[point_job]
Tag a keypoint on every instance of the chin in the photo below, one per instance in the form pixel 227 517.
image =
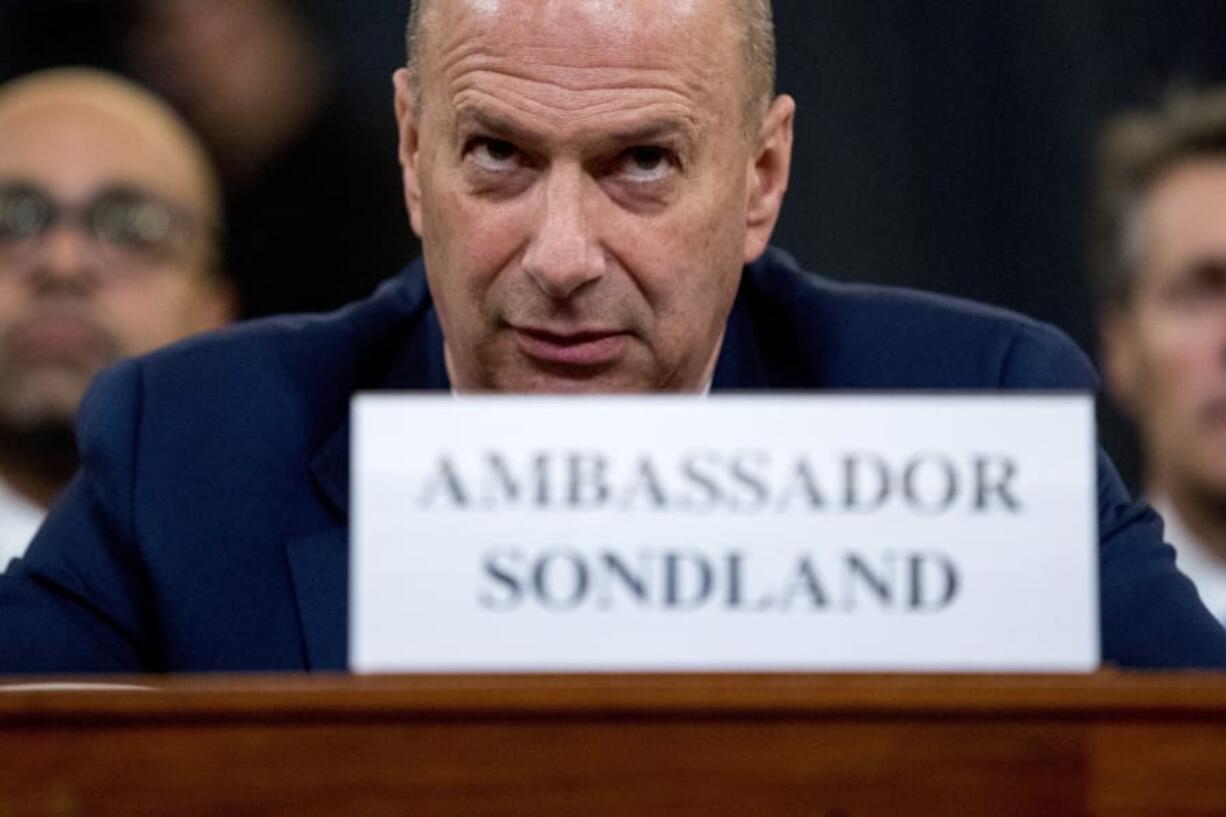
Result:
pixel 43 401
pixel 36 417
pixel 1211 482
pixel 561 381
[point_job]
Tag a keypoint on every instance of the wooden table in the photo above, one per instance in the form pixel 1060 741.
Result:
pixel 818 746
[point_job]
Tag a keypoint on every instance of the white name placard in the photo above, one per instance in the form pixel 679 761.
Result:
pixel 782 533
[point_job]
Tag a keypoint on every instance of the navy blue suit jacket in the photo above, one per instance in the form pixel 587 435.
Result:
pixel 207 530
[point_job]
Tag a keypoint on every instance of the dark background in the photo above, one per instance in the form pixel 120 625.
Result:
pixel 942 144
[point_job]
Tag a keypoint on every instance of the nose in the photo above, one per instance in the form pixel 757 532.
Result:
pixel 65 259
pixel 564 255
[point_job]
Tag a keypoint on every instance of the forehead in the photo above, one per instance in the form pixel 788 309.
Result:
pixel 561 50
pixel 608 20
pixel 73 145
pixel 1187 210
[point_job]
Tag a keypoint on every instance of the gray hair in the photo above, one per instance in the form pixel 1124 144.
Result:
pixel 1135 151
pixel 758 46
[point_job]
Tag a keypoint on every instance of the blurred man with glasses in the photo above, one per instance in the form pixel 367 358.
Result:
pixel 109 222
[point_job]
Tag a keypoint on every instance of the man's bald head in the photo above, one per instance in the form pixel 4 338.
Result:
pixel 623 166
pixel 90 95
pixel 756 23
pixel 109 247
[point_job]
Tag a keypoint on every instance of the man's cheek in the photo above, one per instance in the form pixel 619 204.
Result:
pixel 14 300
pixel 495 237
pixel 142 317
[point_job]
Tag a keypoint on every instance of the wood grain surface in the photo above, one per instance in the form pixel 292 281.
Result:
pixel 826 746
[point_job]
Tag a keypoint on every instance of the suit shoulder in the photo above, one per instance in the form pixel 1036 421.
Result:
pixel 308 349
pixel 281 378
pixel 869 336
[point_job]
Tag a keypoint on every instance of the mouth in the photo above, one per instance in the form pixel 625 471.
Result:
pixel 57 340
pixel 587 349
pixel 1213 413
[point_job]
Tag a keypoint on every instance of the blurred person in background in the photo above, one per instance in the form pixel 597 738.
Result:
pixel 315 213
pixel 109 218
pixel 1160 262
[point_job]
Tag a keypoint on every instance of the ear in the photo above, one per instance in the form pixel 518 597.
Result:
pixel 768 175
pixel 1121 357
pixel 409 145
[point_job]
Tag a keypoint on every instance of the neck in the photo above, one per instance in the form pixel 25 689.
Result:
pixel 37 464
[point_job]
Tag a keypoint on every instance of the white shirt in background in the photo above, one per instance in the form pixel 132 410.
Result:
pixel 1203 566
pixel 19 520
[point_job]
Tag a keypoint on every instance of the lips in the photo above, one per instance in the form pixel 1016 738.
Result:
pixel 58 339
pixel 1213 412
pixel 588 348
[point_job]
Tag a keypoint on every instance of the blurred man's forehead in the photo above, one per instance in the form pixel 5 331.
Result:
pixel 1184 216
pixel 78 129
pixel 74 148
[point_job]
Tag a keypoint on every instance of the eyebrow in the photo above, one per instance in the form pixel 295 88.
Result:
pixel 667 129
pixel 115 187
pixel 657 130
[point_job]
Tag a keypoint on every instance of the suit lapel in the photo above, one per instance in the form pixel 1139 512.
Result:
pixel 740 366
pixel 319 562
pixel 330 470
pixel 416 366
pixel 319 565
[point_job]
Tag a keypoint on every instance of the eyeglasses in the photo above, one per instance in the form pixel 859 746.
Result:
pixel 127 227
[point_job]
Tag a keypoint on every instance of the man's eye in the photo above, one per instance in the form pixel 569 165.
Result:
pixel 134 224
pixel 646 163
pixel 23 214
pixel 494 154
pixel 1204 283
